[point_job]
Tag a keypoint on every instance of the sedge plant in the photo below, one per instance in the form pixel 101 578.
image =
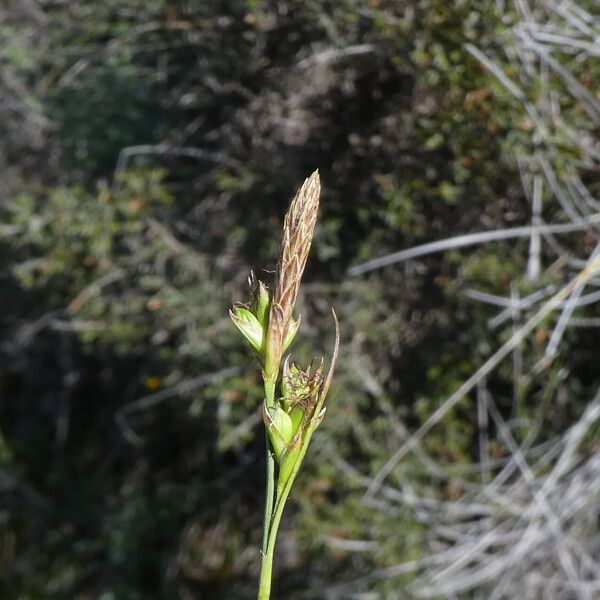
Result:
pixel 293 405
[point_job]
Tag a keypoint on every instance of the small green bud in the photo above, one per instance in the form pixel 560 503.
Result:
pixel 279 427
pixel 293 384
pixel 300 387
pixel 289 370
pixel 249 326
pixel 262 306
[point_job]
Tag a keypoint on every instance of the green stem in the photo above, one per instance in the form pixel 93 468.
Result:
pixel 269 495
pixel 267 560
pixel 266 571
pixel 264 591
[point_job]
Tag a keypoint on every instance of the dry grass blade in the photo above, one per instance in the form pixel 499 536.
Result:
pixel 472 239
pixel 524 525
pixel 480 374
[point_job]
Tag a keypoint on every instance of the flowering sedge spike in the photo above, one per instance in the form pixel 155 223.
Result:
pixel 304 394
pixel 268 324
pixel 298 231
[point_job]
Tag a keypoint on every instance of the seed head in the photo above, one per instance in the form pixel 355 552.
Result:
pixel 292 420
pixel 298 231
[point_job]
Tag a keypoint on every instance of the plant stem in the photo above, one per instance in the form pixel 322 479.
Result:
pixel 266 570
pixel 264 591
pixel 283 492
pixel 269 495
pixel 267 558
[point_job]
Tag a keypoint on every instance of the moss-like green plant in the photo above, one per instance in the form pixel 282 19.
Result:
pixel 293 406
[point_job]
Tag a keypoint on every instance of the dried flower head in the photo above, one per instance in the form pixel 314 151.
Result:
pixel 298 231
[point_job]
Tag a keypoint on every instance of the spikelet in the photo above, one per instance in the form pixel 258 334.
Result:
pixel 298 231
pixel 292 420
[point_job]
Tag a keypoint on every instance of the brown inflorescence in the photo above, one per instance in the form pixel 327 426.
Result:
pixel 298 231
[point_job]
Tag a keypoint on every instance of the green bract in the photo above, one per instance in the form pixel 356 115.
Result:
pixel 280 429
pixel 249 326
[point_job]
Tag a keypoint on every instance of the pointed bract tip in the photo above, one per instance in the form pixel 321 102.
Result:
pixel 336 347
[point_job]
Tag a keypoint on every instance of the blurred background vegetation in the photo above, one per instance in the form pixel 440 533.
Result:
pixel 148 151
